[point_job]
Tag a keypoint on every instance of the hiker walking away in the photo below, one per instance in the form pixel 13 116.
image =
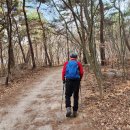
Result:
pixel 72 74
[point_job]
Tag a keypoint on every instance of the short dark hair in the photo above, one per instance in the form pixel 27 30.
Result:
pixel 73 55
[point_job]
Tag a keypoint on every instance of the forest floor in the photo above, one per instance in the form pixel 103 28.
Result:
pixel 33 102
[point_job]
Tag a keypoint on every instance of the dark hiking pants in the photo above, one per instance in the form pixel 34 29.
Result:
pixel 72 88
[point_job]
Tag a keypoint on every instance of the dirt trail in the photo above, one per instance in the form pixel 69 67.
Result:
pixel 39 108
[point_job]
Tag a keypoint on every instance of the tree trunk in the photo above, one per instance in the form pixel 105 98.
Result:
pixel 44 39
pixel 11 62
pixel 36 50
pixel 67 43
pixel 102 46
pixel 83 32
pixel 92 57
pixel 19 40
pixel 1 58
pixel 27 56
pixel 28 34
pixel 123 28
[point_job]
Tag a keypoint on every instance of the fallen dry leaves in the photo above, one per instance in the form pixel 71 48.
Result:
pixel 113 111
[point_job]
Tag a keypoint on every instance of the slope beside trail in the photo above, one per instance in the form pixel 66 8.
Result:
pixel 39 108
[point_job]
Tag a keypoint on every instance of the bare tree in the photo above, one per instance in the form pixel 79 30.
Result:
pixel 19 39
pixel 11 61
pixel 44 38
pixel 28 34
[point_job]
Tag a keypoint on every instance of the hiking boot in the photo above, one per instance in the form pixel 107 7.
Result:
pixel 68 113
pixel 74 113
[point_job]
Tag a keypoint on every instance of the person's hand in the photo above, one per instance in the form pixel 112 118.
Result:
pixel 64 81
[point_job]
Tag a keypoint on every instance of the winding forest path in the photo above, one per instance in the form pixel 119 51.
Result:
pixel 39 107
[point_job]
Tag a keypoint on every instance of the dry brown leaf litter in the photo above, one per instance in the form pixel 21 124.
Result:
pixel 113 111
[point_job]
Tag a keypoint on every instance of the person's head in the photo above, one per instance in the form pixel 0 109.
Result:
pixel 73 56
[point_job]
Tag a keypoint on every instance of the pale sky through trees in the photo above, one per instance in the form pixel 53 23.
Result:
pixel 50 12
